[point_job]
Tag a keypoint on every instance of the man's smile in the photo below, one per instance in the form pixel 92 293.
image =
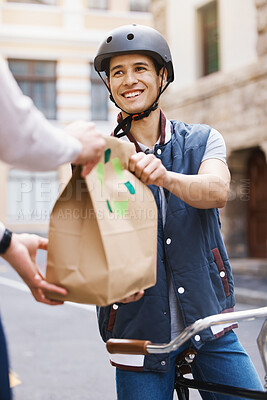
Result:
pixel 131 94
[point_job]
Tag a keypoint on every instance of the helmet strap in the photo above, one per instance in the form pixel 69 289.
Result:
pixel 126 123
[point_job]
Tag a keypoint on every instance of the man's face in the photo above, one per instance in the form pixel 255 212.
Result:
pixel 133 82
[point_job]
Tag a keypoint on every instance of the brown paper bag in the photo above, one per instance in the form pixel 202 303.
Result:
pixel 103 232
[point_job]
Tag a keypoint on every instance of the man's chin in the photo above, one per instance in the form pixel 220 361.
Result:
pixel 131 111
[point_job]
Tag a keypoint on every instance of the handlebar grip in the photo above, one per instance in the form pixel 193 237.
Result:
pixel 127 346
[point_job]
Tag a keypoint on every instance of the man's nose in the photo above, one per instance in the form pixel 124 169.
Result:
pixel 130 78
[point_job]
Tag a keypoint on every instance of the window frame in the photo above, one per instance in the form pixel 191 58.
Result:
pixel 205 30
pixel 96 81
pixel 31 195
pixel 131 6
pixel 35 2
pixel 31 78
pixel 96 5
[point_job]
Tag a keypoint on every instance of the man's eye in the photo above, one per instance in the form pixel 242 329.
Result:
pixel 140 68
pixel 117 73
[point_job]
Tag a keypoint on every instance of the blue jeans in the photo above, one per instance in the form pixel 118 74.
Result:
pixel 5 393
pixel 220 361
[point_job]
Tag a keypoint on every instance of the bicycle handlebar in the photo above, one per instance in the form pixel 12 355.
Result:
pixel 127 346
pixel 130 346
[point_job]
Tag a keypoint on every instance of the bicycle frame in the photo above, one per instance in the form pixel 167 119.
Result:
pixel 145 347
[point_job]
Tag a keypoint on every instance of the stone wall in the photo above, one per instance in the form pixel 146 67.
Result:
pixel 262 26
pixel 235 103
pixel 158 9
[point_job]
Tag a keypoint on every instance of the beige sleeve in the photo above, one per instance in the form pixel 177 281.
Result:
pixel 27 139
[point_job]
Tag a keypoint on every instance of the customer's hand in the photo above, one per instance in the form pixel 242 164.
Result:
pixel 93 144
pixel 21 255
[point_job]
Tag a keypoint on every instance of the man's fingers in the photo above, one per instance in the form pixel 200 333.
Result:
pixel 87 168
pixel 44 285
pixel 39 296
pixel 135 297
pixel 144 165
pixel 44 300
pixel 53 302
pixel 138 295
pixel 149 171
pixel 43 243
pixel 134 159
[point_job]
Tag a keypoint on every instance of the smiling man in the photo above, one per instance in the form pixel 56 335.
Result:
pixel 185 167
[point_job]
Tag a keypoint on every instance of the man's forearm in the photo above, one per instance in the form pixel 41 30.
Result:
pixel 200 191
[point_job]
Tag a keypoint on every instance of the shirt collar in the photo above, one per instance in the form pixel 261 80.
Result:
pixel 165 136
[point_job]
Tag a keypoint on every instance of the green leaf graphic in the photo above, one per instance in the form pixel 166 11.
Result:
pixel 120 207
pixel 130 187
pixel 100 173
pixel 116 162
pixel 107 155
pixel 109 207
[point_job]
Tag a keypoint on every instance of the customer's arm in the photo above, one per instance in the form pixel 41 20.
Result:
pixel 29 141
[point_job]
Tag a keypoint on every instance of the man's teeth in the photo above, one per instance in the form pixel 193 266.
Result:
pixel 132 94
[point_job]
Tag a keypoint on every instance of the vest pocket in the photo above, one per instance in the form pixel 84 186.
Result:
pixel 222 271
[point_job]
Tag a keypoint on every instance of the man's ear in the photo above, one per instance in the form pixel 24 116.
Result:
pixel 107 80
pixel 164 77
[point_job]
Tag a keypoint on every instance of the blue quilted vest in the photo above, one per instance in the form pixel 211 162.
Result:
pixel 191 248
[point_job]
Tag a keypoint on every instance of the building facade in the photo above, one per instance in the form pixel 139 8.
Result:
pixel 219 49
pixel 50 46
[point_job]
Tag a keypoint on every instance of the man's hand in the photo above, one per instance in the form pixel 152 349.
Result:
pixel 21 255
pixel 208 189
pixel 149 169
pixel 134 297
pixel 93 144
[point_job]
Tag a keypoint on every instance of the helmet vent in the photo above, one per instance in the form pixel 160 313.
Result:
pixel 109 39
pixel 130 36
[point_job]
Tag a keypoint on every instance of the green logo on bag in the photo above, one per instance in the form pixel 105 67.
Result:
pixel 119 207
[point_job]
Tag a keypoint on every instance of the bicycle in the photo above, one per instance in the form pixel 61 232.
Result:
pixel 184 360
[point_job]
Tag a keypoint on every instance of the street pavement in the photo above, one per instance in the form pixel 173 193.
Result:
pixel 56 353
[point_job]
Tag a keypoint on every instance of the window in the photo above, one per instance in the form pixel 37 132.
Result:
pixel 210 38
pixel 37 79
pixel 140 5
pixel 99 97
pixel 31 195
pixel 44 2
pixel 101 4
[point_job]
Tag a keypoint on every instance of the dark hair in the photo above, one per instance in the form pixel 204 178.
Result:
pixel 156 65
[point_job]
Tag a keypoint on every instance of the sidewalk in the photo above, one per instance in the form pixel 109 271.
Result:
pixel 250 277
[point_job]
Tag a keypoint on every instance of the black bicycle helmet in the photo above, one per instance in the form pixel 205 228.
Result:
pixel 134 39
